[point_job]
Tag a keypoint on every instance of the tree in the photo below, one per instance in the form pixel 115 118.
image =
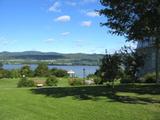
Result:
pixel 1 66
pixel 58 72
pixel 135 19
pixel 51 81
pixel 42 70
pixel 25 70
pixel 4 73
pixel 132 61
pixel 110 67
pixel 25 82
pixel 15 73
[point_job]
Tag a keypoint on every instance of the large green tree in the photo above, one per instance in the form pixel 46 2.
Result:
pixel 42 70
pixel 110 67
pixel 135 19
pixel 132 61
pixel 25 70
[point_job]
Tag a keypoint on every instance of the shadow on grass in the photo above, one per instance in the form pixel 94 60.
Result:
pixel 95 92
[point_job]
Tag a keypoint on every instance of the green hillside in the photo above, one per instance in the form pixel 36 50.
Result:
pixel 50 58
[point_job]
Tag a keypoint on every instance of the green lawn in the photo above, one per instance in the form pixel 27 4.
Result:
pixel 140 102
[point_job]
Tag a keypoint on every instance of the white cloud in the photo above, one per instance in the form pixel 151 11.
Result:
pixel 65 33
pixel 64 18
pixel 49 40
pixel 86 23
pixel 55 7
pixel 92 14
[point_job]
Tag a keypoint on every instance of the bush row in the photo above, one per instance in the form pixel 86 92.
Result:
pixel 41 71
pixel 147 78
pixel 53 81
pixel 25 82
pixel 50 81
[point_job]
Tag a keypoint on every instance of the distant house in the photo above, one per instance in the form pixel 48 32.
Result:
pixel 147 47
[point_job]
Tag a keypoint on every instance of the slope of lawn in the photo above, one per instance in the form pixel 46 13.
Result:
pixel 139 102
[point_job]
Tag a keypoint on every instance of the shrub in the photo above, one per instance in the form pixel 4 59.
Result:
pixel 4 74
pixel 75 81
pixel 58 72
pixel 1 74
pixel 91 76
pixel 150 78
pixel 15 73
pixel 97 80
pixel 126 79
pixel 24 82
pixel 140 80
pixel 51 81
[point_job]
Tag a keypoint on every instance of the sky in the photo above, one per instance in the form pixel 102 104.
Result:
pixel 63 26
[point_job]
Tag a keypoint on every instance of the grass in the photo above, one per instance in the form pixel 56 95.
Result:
pixel 126 102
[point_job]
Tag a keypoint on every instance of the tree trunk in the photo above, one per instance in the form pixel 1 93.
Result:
pixel 157 61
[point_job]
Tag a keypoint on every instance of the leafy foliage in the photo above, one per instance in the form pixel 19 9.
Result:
pixel 150 78
pixel 1 66
pixel 58 72
pixel 97 80
pixel 136 19
pixel 132 61
pixel 15 73
pixel 110 67
pixel 25 70
pixel 124 65
pixel 4 74
pixel 75 81
pixel 24 82
pixel 42 70
pixel 51 81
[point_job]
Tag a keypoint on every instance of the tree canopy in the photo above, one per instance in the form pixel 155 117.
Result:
pixel 42 70
pixel 25 70
pixel 132 61
pixel 136 19
pixel 110 67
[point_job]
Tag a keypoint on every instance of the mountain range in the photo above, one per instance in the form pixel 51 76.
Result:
pixel 50 58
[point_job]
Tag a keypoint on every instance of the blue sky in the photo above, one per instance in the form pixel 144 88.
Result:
pixel 65 26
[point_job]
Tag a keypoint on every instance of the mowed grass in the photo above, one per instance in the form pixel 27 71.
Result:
pixel 139 102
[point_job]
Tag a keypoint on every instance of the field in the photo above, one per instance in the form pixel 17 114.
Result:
pixel 127 102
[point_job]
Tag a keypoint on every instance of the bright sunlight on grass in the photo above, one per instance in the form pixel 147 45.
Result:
pixel 79 103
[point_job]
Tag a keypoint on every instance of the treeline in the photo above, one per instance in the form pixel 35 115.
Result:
pixel 38 57
pixel 42 70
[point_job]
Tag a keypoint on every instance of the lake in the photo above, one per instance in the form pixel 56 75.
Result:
pixel 77 69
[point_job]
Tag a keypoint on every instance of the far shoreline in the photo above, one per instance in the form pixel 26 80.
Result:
pixel 48 64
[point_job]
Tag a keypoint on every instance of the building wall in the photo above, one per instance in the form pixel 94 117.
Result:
pixel 149 60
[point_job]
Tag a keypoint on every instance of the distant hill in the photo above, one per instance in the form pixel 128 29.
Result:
pixel 50 58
